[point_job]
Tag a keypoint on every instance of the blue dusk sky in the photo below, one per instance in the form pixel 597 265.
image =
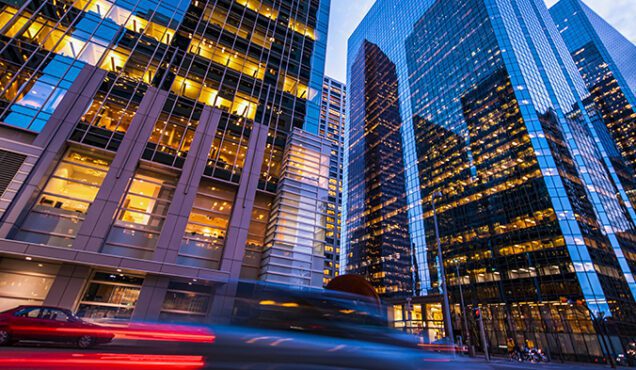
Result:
pixel 347 14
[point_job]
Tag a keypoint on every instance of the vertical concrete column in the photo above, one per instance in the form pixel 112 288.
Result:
pixel 153 292
pixel 95 227
pixel 52 140
pixel 244 203
pixel 68 286
pixel 223 297
pixel 187 187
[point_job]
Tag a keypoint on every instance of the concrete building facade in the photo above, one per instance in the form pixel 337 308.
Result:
pixel 143 147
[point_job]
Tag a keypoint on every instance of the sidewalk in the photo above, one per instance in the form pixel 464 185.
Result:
pixel 504 362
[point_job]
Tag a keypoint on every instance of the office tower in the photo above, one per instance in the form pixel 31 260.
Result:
pixel 147 147
pixel 605 59
pixel 481 101
pixel 332 121
pixel 377 238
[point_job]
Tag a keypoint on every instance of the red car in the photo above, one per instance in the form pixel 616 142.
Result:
pixel 49 324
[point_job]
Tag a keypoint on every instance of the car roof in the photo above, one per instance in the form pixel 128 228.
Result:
pixel 40 306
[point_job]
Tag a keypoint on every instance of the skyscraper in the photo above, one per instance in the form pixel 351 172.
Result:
pixel 332 121
pixel 481 101
pixel 149 147
pixel 605 59
pixel 377 239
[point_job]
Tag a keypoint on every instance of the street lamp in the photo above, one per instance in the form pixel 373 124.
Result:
pixel 447 315
pixel 463 309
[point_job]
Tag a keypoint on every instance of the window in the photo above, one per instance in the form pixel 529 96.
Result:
pixel 110 296
pixel 110 114
pixel 31 313
pixel 24 282
pixel 398 312
pixel 205 233
pixel 55 315
pixel 173 133
pixel 61 207
pixel 185 301
pixel 141 215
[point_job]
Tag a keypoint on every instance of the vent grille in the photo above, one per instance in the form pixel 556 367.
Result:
pixel 9 165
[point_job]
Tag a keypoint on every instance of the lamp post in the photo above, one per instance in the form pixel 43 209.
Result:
pixel 463 310
pixel 447 315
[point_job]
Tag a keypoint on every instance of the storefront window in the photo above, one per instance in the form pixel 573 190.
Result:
pixel 185 302
pixel 110 296
pixel 24 282
pixel 398 312
pixel 424 320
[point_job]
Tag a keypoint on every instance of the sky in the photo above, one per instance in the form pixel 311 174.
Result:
pixel 347 14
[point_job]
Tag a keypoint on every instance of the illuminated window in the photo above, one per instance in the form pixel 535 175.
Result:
pixel 260 8
pixel 173 135
pixel 111 114
pixel 228 152
pixel 65 200
pixel 294 87
pixel 141 215
pixel 398 312
pixel 110 296
pixel 240 106
pixel 205 233
pixel 228 58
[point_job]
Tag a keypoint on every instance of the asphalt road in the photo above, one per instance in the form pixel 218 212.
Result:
pixel 138 357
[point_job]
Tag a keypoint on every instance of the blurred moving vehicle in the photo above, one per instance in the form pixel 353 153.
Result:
pixel 314 311
pixel 257 326
pixel 49 324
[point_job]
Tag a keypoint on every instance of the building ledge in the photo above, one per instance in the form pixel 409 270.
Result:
pixel 98 260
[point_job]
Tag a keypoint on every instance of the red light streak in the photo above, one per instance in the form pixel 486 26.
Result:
pixel 98 361
pixel 129 333
pixel 439 347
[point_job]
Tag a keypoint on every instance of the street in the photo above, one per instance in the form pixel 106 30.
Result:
pixel 115 357
pixel 505 364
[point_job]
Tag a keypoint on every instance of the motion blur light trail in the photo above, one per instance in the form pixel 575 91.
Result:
pixel 146 332
pixel 97 361
pixel 162 333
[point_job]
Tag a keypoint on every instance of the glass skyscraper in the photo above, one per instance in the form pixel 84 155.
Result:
pixel 332 121
pixel 605 59
pixel 480 100
pixel 150 151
